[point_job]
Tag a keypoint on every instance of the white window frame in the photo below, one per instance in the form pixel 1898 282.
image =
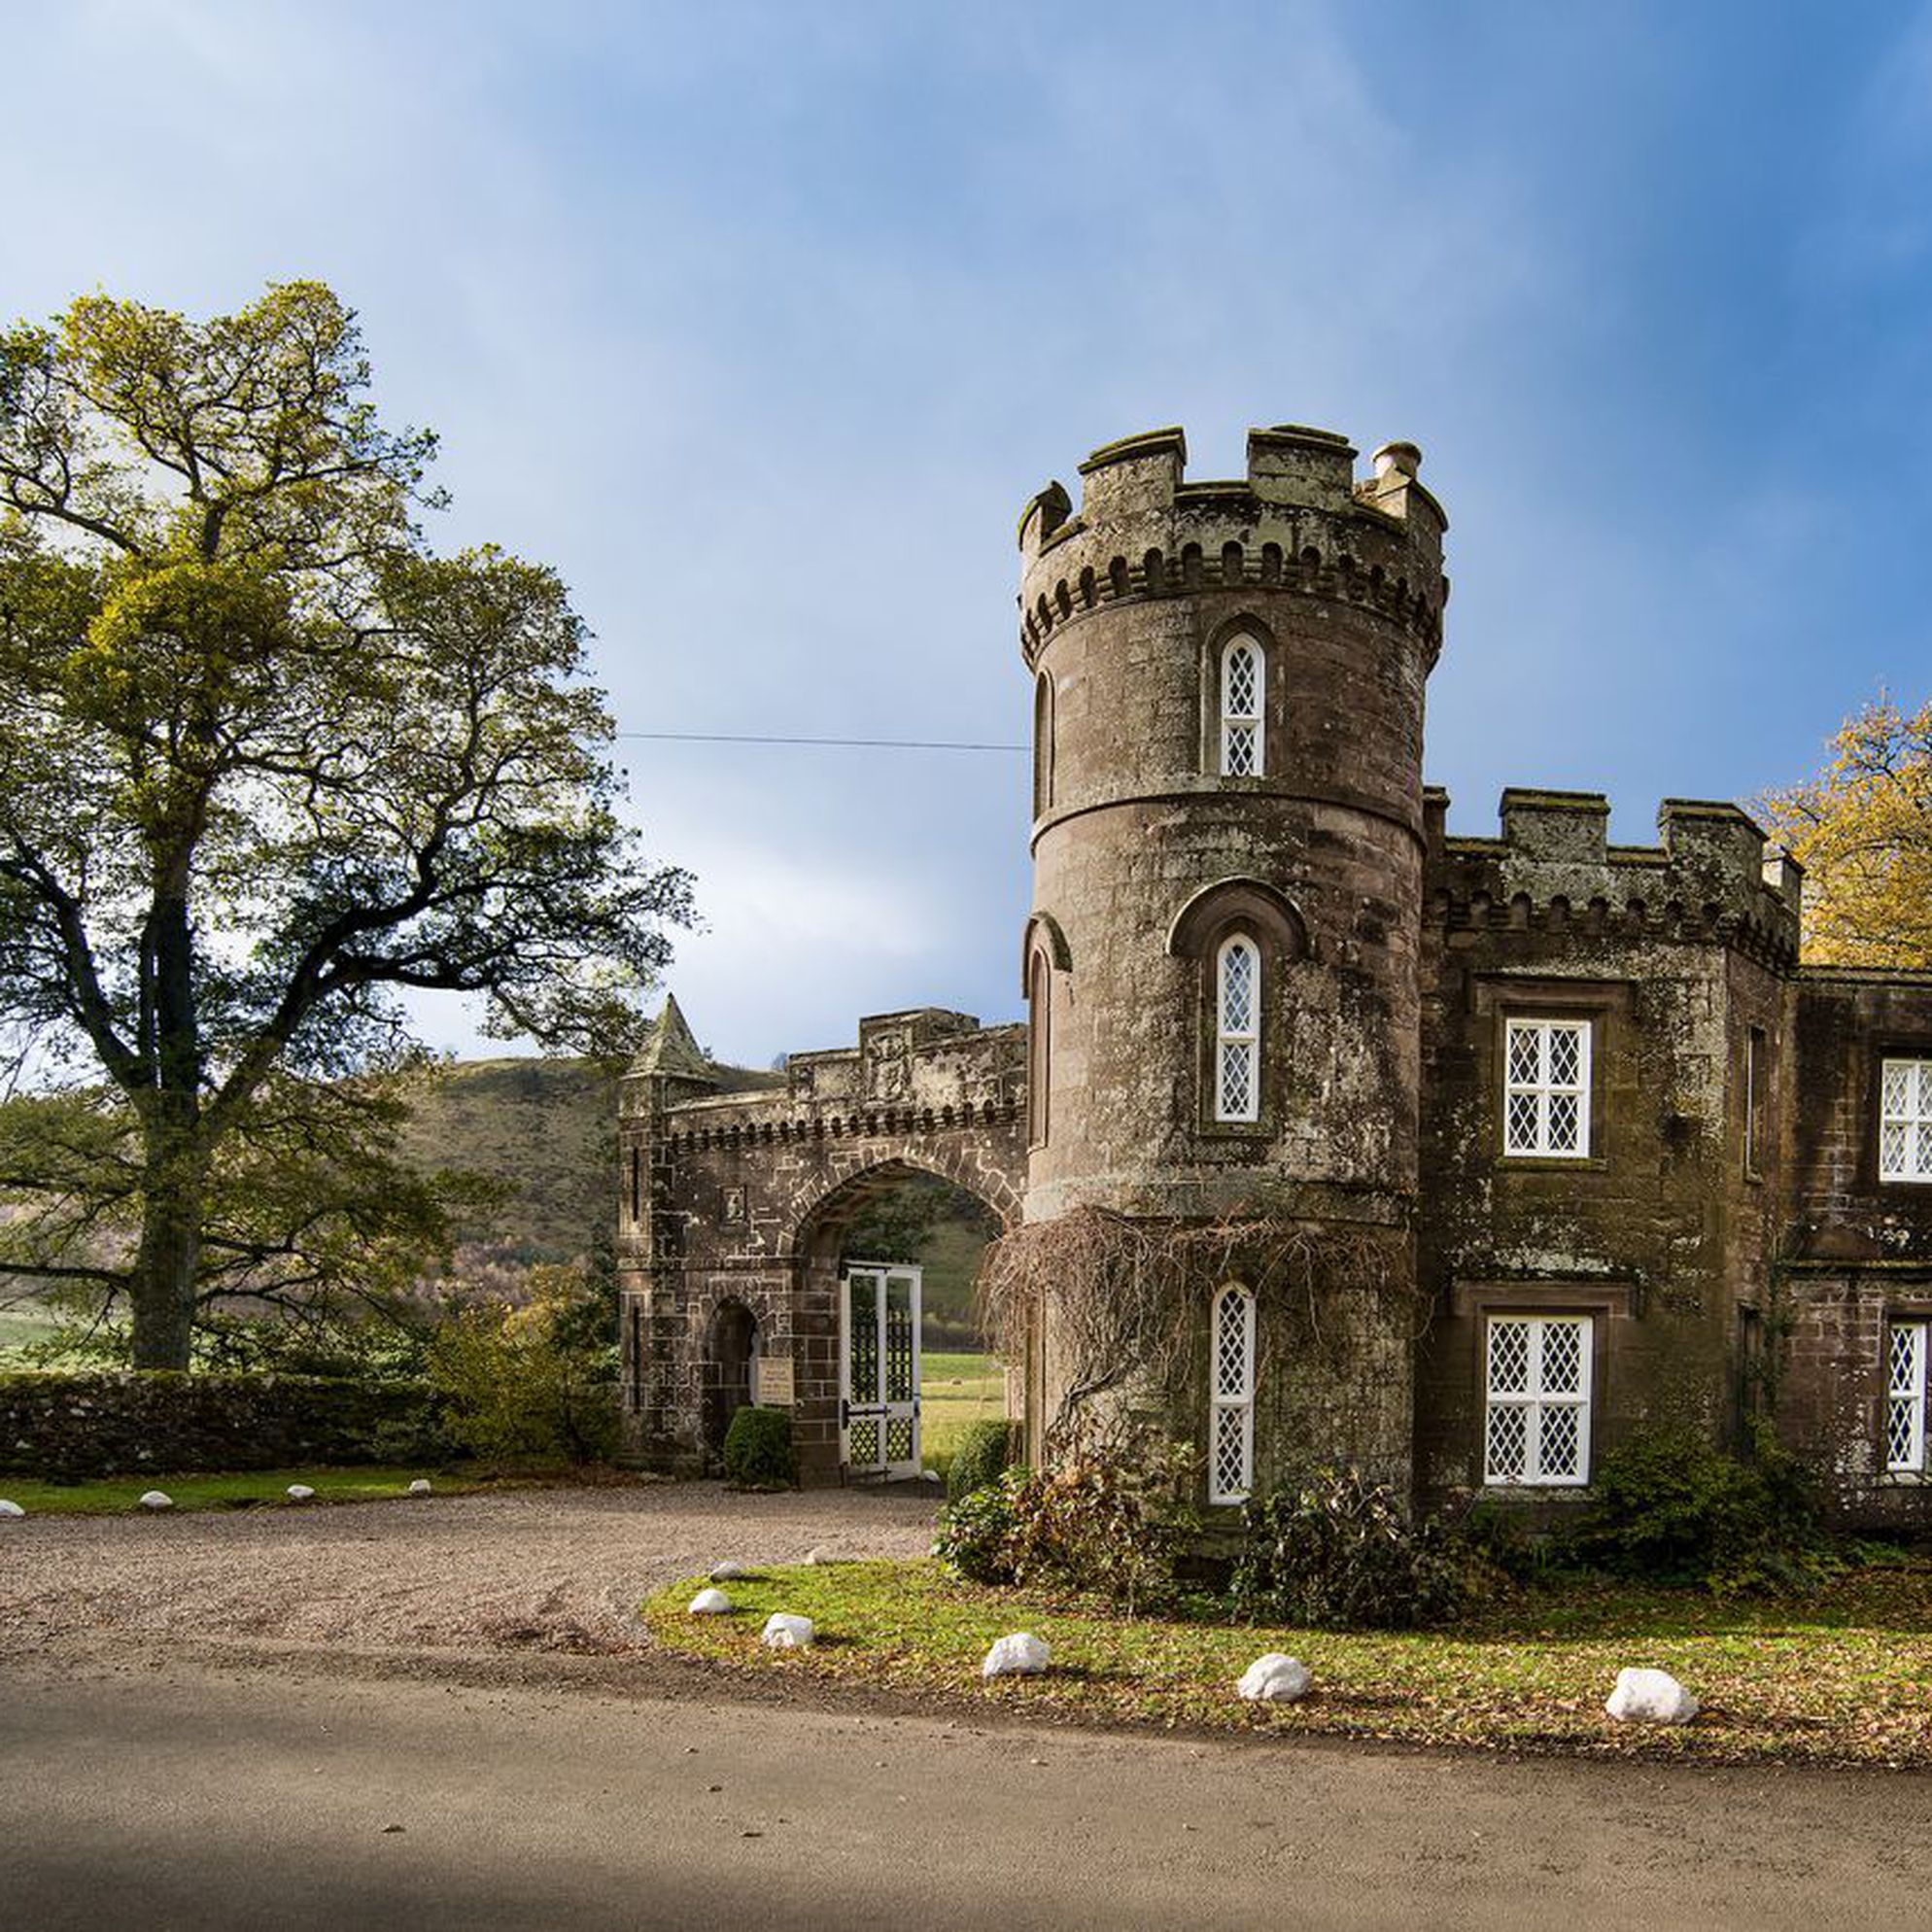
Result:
pixel 1534 1400
pixel 1253 722
pixel 1906 1391
pixel 1232 1409
pixel 1249 1038
pixel 1913 1164
pixel 1542 1088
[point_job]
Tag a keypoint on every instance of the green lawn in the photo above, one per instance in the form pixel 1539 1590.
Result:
pixel 955 1391
pixel 116 1494
pixel 1838 1677
pixel 22 1322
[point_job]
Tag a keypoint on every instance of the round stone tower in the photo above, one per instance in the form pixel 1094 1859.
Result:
pixel 1222 963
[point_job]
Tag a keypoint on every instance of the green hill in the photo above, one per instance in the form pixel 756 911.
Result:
pixel 547 1130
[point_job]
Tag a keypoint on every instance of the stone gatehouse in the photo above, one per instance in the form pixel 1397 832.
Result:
pixel 1622 1158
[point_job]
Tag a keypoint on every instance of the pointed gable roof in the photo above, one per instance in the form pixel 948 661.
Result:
pixel 672 1052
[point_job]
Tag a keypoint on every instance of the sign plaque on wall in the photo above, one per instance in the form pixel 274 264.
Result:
pixel 775 1382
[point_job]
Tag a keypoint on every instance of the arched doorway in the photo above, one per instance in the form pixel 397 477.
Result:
pixel 889 1258
pixel 731 1351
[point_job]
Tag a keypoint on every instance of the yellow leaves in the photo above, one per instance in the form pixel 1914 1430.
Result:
pixel 1862 829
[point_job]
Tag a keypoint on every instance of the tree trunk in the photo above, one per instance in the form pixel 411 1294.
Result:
pixel 162 1288
pixel 174 1177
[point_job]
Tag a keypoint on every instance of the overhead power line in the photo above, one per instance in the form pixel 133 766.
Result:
pixel 861 743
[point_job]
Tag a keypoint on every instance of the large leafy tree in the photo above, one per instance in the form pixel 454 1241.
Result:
pixel 266 764
pixel 1862 828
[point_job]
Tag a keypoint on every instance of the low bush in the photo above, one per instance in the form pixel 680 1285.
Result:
pixel 1339 1552
pixel 758 1451
pixel 1102 1519
pixel 1670 1509
pixel 980 1458
pixel 974 1538
pixel 521 1384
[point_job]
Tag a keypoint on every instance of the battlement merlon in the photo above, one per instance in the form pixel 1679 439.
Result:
pixel 1299 522
pixel 1711 864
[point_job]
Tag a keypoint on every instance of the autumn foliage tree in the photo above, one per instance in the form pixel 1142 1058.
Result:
pixel 1862 829
pixel 268 764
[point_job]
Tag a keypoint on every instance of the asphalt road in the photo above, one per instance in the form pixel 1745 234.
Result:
pixel 153 1794
pixel 215 1721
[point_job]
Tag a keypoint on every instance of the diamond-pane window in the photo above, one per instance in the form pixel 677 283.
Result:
pixel 1237 1031
pixel 1904 1120
pixel 1546 1087
pixel 1905 1399
pixel 1244 683
pixel 1231 1406
pixel 1536 1424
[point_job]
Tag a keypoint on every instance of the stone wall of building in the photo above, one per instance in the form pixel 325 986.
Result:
pixel 1727 1231
pixel 1671 954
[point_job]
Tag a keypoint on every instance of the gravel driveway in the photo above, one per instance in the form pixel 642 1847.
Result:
pixel 559 1569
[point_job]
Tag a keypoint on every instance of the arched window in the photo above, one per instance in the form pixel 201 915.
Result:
pixel 1243 691
pixel 1039 1049
pixel 1043 743
pixel 1231 1398
pixel 1237 1030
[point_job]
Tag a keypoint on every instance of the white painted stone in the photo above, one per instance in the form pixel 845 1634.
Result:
pixel 1650 1697
pixel 785 1632
pixel 157 1499
pixel 728 1571
pixel 710 1603
pixel 420 1487
pixel 8 1507
pixel 1020 1655
pixel 1274 1679
pixel 931 1476
pixel 819 1556
pixel 300 1492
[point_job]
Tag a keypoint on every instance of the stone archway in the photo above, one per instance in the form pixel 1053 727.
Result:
pixel 731 1351
pixel 738 1195
pixel 820 1248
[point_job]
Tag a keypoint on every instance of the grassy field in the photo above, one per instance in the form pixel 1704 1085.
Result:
pixel 115 1495
pixel 1838 1677
pixel 22 1322
pixel 955 1391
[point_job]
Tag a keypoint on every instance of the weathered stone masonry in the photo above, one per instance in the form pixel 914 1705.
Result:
pixel 1228 710
pixel 738 1198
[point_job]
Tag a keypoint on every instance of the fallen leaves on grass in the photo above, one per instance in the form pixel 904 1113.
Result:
pixel 1839 1678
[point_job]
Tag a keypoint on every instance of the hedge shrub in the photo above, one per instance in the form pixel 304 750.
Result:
pixel 758 1451
pixel 982 1455
pixel 1339 1552
pixel 1670 1509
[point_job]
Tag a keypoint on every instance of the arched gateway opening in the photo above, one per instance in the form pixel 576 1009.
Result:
pixel 890 1255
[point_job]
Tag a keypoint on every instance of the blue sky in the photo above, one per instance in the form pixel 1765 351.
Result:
pixel 761 322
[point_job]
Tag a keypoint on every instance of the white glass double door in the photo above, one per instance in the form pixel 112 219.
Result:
pixel 878 1369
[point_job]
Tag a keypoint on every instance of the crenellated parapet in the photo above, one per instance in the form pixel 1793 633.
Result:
pixel 921 1070
pixel 1299 523
pixel 1711 878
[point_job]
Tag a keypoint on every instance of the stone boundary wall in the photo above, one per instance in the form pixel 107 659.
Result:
pixel 128 1422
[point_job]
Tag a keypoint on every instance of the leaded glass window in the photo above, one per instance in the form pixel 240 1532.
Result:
pixel 1231 1404
pixel 1904 1120
pixel 1537 1420
pixel 1237 1037
pixel 1546 1087
pixel 1905 1399
pixel 1244 684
